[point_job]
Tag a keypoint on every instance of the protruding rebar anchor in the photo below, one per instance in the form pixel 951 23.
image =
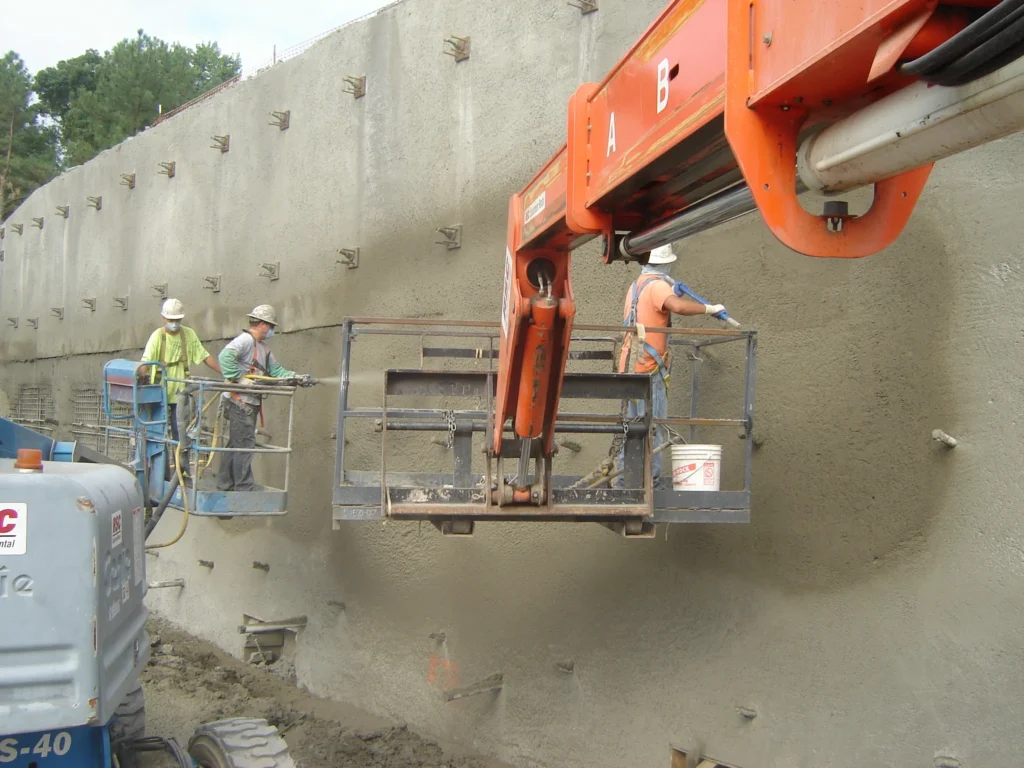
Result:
pixel 127 180
pixel 747 713
pixel 206 564
pixel 566 667
pixel 159 290
pixel 340 605
pixel 585 6
pixel 265 567
pixel 167 169
pixel 452 236
pixel 96 202
pixel 34 322
pixel 63 211
pixel 57 312
pixel 281 119
pixel 492 683
pixel 223 143
pixel 121 302
pixel 940 436
pixel 270 270
pixel 166 584
pixel 457 47
pixel 37 222
pixel 13 322
pixel 89 304
pixel 356 85
pixel 212 283
pixel 19 228
pixel 571 445
pixel 349 257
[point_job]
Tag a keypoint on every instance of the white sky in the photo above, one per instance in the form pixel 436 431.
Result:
pixel 44 32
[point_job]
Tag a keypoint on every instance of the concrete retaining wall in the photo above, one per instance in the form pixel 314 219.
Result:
pixel 870 614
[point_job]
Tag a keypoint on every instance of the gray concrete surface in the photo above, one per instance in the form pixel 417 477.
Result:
pixel 870 614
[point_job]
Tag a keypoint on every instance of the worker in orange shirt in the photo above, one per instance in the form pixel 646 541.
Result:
pixel 650 302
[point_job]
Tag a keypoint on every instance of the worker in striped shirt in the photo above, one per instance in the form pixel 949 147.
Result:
pixel 179 349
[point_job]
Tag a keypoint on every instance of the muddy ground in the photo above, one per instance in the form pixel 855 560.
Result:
pixel 189 682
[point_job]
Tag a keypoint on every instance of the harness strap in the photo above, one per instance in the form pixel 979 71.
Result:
pixel 638 289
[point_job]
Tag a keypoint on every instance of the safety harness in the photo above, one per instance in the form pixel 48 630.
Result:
pixel 638 289
pixel 155 372
pixel 255 366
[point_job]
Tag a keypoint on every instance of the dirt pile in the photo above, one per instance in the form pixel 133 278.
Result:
pixel 188 682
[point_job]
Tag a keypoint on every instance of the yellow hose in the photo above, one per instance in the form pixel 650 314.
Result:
pixel 184 500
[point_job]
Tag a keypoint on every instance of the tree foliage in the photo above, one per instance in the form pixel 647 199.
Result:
pixel 97 101
pixel 27 147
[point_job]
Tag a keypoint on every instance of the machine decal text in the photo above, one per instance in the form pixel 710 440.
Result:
pixel 13 529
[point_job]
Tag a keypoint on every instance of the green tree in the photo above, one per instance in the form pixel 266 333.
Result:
pixel 27 148
pixel 121 93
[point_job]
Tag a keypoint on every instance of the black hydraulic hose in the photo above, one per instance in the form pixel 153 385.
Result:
pixel 996 58
pixel 162 506
pixel 964 41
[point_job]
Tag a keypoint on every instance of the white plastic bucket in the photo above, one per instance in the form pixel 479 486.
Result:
pixel 696 467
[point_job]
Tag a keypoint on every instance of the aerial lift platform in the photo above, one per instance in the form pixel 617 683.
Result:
pixel 721 108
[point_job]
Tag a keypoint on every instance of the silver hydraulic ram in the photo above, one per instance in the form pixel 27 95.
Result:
pixel 910 128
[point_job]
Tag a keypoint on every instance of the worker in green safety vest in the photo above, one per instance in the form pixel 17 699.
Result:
pixel 178 348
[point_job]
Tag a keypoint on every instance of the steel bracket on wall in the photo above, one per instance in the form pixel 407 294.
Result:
pixel 281 119
pixel 95 202
pixel 34 322
pixel 127 180
pixel 89 304
pixel 585 6
pixel 356 85
pixel 452 237
pixel 159 290
pixel 349 257
pixel 212 283
pixel 57 312
pixel 37 222
pixel 19 228
pixel 121 302
pixel 270 270
pixel 457 47
pixel 223 143
pixel 167 169
pixel 63 210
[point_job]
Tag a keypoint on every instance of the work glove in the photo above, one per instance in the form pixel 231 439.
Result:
pixel 713 309
pixel 305 380
pixel 242 381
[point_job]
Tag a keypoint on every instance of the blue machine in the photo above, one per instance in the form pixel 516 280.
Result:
pixel 73 640
pixel 144 420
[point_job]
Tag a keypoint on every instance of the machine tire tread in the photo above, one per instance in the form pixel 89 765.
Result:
pixel 240 742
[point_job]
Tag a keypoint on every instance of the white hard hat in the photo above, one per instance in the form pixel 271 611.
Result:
pixel 662 255
pixel 173 309
pixel 264 312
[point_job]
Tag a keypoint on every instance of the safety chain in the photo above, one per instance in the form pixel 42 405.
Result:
pixel 449 417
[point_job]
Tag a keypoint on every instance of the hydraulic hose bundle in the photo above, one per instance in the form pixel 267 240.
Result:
pixel 991 42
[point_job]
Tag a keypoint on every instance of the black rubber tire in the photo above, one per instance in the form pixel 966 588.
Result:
pixel 129 723
pixel 240 742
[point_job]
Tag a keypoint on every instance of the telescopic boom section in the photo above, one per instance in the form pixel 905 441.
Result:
pixel 705 118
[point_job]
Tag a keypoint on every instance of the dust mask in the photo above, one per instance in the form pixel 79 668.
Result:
pixel 270 333
pixel 172 326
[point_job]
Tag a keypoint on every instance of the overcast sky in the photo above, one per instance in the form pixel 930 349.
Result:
pixel 46 31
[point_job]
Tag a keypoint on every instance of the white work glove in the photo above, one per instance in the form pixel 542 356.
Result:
pixel 713 309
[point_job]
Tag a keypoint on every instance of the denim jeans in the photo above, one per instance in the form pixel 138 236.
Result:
pixel 637 409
